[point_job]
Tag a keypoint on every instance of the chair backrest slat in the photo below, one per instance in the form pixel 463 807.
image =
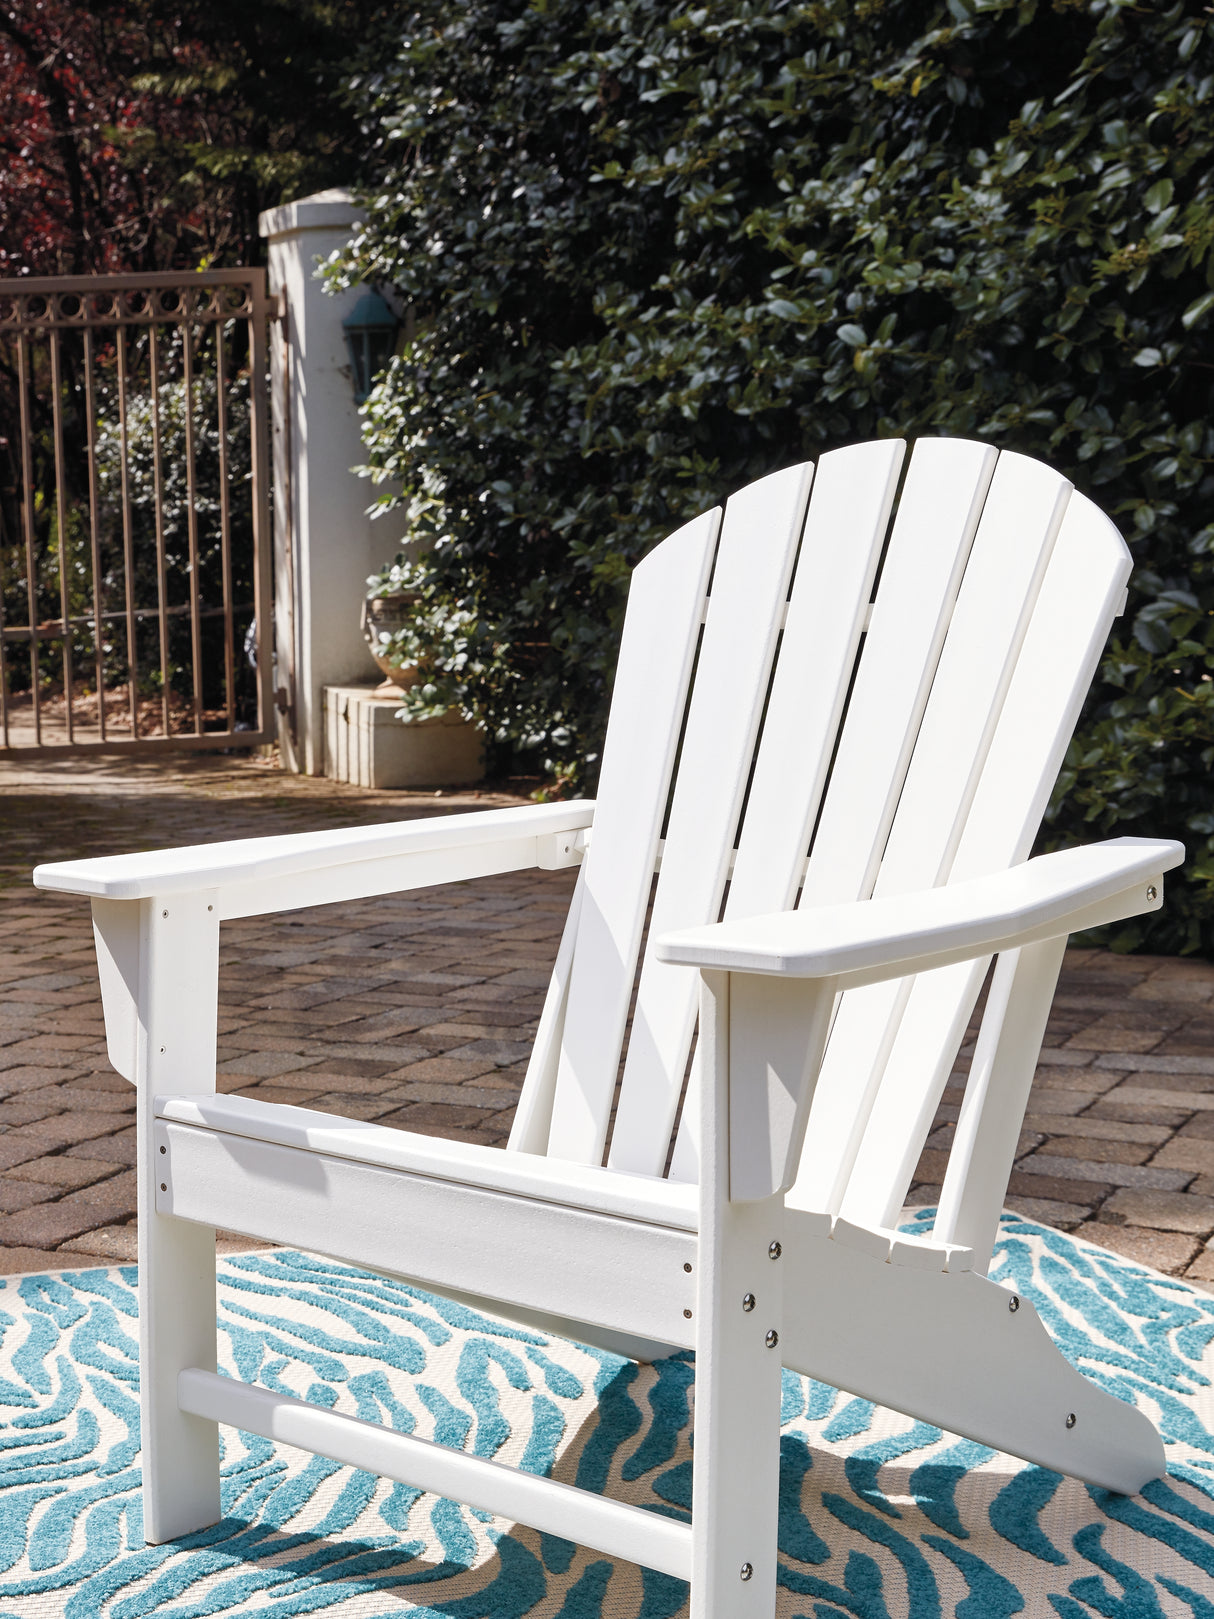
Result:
pixel 657 653
pixel 532 1122
pixel 755 556
pixel 1083 592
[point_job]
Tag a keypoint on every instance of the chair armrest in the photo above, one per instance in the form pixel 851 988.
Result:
pixel 870 940
pixel 256 875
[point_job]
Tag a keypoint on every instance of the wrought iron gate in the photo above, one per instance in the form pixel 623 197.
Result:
pixel 135 590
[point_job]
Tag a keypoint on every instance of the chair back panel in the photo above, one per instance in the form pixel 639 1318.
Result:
pixel 915 751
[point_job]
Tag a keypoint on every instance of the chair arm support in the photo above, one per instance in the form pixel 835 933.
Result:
pixel 253 876
pixel 870 940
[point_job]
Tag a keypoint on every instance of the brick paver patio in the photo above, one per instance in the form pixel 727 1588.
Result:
pixel 418 1011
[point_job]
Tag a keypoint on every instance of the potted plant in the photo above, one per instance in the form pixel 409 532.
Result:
pixel 388 614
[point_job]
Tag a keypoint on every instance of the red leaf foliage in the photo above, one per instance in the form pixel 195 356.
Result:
pixel 146 134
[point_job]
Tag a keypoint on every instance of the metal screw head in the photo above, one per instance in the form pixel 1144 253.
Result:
pixel 687 1266
pixel 774 1250
pixel 687 1315
pixel 772 1339
pixel 164 1149
pixel 748 1302
pixel 1071 1419
pixel 745 1571
pixel 163 1186
pixel 1152 892
pixel 1013 1304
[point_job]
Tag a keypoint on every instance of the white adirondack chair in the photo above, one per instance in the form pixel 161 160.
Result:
pixel 841 852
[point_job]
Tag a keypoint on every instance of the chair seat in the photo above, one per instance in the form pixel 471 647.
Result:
pixel 521 1174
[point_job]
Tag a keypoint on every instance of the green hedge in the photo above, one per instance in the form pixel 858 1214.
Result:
pixel 655 250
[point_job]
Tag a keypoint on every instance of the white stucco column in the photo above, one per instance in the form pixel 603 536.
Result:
pixel 325 544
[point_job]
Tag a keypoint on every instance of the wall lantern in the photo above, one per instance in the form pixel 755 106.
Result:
pixel 370 331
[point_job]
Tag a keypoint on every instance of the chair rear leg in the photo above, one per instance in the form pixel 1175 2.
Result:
pixel 178 980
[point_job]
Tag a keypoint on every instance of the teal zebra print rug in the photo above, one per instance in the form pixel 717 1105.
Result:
pixel 881 1517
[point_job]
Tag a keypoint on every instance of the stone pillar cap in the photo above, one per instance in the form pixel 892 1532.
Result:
pixel 334 209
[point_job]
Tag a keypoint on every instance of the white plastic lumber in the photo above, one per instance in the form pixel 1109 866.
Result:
pixel 996 1096
pixel 519 1174
pixel 758 545
pixel 657 651
pixel 176 988
pixel 845 528
pixel 998 596
pixel 1072 612
pixel 870 1184
pixel 613 1527
pixel 393 874
pixel 117 929
pixel 986 628
pixel 946 484
pixel 865 1027
pixel 628 1275
pixel 925 1253
pixel 947 1349
pixel 777 1033
pixel 247 860
pixel 1061 652
pixel 884 1243
pixel 736 1461
pixel 1038 899
pixel 533 1114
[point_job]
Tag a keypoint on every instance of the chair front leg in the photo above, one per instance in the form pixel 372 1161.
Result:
pixel 739 1303
pixel 178 978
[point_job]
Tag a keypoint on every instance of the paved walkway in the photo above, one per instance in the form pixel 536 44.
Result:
pixel 418 1011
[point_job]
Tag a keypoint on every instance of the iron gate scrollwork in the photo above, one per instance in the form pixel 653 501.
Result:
pixel 135 588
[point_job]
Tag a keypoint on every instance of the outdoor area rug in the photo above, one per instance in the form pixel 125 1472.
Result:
pixel 881 1517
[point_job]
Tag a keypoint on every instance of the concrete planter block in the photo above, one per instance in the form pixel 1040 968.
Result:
pixel 366 744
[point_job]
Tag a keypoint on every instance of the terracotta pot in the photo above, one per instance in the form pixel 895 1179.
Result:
pixel 390 613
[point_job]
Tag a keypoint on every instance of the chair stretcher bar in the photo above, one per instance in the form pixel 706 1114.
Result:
pixel 612 1527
